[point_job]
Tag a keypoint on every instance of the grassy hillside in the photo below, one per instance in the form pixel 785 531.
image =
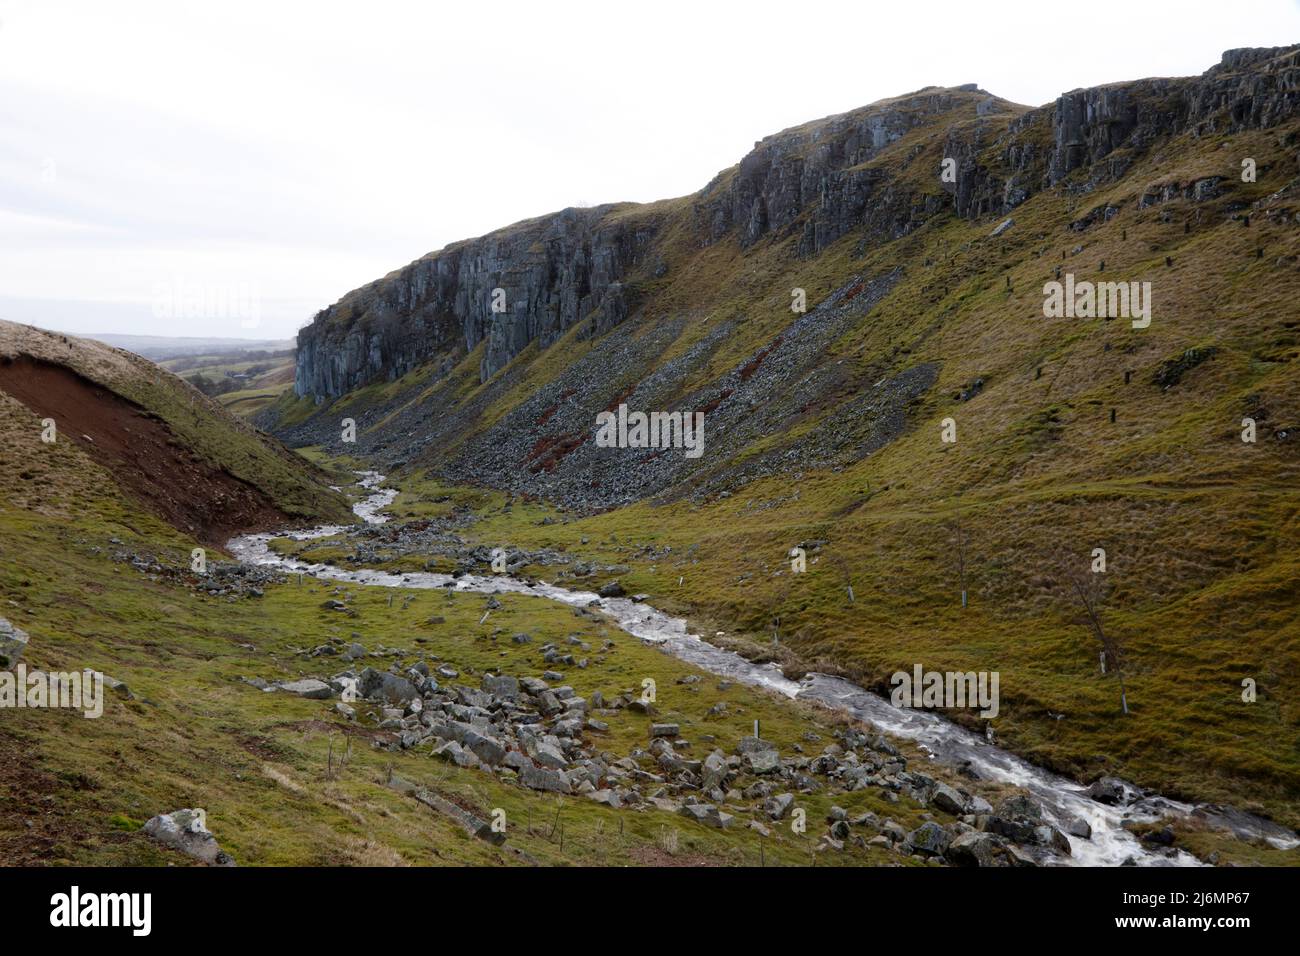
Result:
pixel 147 423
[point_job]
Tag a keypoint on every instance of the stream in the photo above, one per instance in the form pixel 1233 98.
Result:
pixel 944 742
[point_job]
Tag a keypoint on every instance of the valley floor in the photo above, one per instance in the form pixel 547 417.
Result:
pixel 287 780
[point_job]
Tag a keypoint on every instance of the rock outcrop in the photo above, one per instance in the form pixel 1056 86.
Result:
pixel 552 273
pixel 187 831
pixel 818 180
pixel 13 641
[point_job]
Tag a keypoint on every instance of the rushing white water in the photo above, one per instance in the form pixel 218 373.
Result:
pixel 945 742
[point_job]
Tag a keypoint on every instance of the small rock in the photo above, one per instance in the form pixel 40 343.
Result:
pixel 13 641
pixel 184 830
pixel 1077 826
pixel 1162 837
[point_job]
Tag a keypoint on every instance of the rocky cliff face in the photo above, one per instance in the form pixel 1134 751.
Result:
pixel 818 182
pixel 1249 89
pixel 813 184
pixel 553 272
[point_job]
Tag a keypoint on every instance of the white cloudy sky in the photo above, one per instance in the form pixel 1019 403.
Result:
pixel 275 155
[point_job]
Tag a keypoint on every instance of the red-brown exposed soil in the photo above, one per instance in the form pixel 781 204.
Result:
pixel 148 461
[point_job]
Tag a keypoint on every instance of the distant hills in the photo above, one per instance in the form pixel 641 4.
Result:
pixel 158 347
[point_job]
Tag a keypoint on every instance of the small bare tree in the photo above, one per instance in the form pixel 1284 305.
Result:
pixel 1090 588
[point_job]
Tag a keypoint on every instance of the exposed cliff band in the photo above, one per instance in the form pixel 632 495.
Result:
pixel 816 182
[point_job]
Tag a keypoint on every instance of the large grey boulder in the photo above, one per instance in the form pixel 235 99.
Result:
pixel 1019 856
pixel 972 849
pixel 533 685
pixel 453 751
pixel 778 806
pixel 1019 807
pixel 1016 830
pixel 707 814
pixel 185 830
pixel 1107 790
pixel 548 755
pixel 759 756
pixel 1079 827
pixel 544 778
pixel 484 746
pixel 714 771
pixel 380 685
pixel 1050 836
pixel 748 745
pixel 763 761
pixel 13 641
pixel 948 800
pixel 894 831
pixel 608 797
pixel 500 686
pixel 471 824
pixel 310 688
pixel 929 839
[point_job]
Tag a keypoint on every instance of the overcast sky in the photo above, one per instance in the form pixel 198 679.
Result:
pixel 227 169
